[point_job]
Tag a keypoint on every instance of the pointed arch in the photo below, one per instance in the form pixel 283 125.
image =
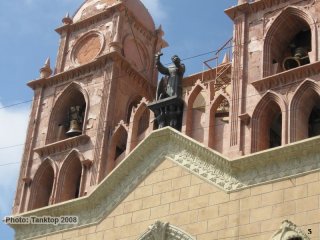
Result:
pixel 132 103
pixel 280 34
pixel 305 99
pixel 71 177
pixel 196 121
pixel 42 186
pixel 269 122
pixel 117 147
pixel 218 125
pixel 72 95
pixel 139 124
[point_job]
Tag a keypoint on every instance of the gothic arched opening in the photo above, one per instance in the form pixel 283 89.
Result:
pixel 70 179
pixel 288 42
pixel 267 124
pixel 140 124
pixel 67 117
pixel 275 131
pixel 305 112
pixel 116 151
pixel 133 104
pixel 219 123
pixel 119 144
pixel 143 122
pixel 42 186
pixel 314 122
pixel 198 117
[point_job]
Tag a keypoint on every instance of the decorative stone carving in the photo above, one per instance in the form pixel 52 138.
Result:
pixel 87 48
pixel 62 145
pixel 295 75
pixel 164 231
pixel 256 169
pixel 289 230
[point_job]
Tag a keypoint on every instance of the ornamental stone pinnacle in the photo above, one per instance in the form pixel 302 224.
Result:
pixel 67 20
pixel 46 70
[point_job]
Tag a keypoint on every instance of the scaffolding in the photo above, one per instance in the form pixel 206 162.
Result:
pixel 221 63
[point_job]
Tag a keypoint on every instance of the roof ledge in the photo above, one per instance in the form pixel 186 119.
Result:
pixel 229 175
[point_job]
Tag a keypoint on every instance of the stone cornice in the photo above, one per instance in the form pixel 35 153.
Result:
pixel 62 145
pixel 229 175
pixel 98 63
pixel 287 77
pixel 254 7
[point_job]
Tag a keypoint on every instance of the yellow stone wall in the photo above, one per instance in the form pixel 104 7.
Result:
pixel 172 194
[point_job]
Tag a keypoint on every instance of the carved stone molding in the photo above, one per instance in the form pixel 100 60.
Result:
pixel 99 63
pixel 164 231
pixel 289 230
pixel 62 145
pixel 88 47
pixel 229 175
pixel 290 76
pixel 258 5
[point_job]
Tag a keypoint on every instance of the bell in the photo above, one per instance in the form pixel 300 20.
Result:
pixel 74 129
pixel 300 58
pixel 290 63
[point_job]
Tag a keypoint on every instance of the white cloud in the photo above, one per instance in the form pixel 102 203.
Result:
pixel 13 125
pixel 156 10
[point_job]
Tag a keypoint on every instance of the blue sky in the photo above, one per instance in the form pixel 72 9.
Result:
pixel 28 38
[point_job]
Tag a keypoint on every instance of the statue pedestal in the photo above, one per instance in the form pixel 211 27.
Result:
pixel 168 112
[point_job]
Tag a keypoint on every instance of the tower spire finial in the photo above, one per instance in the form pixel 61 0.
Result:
pixel 46 70
pixel 67 20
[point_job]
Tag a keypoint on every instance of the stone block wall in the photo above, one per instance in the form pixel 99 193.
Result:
pixel 172 194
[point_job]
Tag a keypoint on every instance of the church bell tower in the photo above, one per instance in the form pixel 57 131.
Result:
pixel 82 110
pixel 275 75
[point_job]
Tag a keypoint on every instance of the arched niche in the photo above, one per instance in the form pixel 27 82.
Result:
pixel 118 144
pixel 305 111
pixel 68 115
pixel 140 123
pixel 133 103
pixel 219 123
pixel 42 185
pixel 144 121
pixel 268 123
pixel 196 113
pixel 289 42
pixel 70 177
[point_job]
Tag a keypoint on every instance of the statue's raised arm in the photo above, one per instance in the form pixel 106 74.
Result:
pixel 161 68
pixel 175 74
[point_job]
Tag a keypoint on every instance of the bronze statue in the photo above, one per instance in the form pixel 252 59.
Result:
pixel 168 107
pixel 170 84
